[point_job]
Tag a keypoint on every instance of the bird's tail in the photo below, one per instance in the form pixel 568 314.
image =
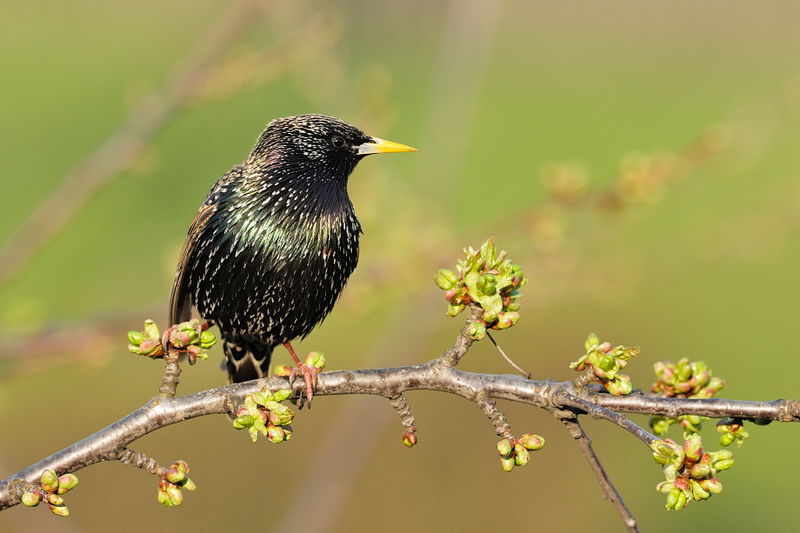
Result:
pixel 246 361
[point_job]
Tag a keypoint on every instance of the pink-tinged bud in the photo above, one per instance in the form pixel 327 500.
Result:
pixel 521 455
pixel 163 499
pixel 67 482
pixel 275 434
pixel 700 471
pixel 31 498
pixel 174 494
pixel 54 499
pixel 531 442
pixel 148 347
pixel 409 439
pixel 449 295
pixel 712 485
pixel 506 320
pixel 175 476
pixel 59 510
pixel 504 448
pixel 49 481
pixel 693 447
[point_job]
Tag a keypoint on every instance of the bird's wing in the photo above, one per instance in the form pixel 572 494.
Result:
pixel 180 305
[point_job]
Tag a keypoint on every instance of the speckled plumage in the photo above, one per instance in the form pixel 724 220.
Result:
pixel 275 241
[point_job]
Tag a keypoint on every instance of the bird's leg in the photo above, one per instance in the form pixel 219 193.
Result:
pixel 308 372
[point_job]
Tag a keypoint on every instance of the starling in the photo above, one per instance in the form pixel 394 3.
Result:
pixel 272 246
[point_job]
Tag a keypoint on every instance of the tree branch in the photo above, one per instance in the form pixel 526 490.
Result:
pixel 160 412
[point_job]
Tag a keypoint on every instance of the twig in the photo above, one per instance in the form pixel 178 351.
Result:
pixel 400 405
pixel 609 490
pixel 122 147
pixel 523 373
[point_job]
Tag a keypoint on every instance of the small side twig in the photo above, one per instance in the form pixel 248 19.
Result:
pixel 610 492
pixel 172 374
pixel 523 373
pixel 584 379
pixel 493 413
pixel 453 355
pixel 400 405
pixel 140 461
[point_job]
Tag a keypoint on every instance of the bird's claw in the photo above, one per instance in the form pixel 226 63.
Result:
pixel 309 373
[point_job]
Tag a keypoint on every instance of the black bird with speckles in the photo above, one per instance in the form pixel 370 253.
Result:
pixel 272 246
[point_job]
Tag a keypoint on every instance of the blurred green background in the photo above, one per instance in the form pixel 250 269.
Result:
pixel 639 160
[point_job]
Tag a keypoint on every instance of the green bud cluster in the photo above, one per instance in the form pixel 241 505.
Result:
pixel 516 451
pixel 173 480
pixel 488 279
pixel 188 337
pixel 732 430
pixel 605 362
pixel 690 473
pixel 684 379
pixel 263 414
pixel 51 488
pixel 146 342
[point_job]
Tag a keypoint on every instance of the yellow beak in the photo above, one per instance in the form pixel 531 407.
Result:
pixel 382 146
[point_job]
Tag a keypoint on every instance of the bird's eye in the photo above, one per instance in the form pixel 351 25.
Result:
pixel 338 142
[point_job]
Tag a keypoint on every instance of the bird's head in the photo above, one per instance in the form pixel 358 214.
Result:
pixel 317 145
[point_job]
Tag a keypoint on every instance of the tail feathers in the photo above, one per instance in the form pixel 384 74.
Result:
pixel 247 361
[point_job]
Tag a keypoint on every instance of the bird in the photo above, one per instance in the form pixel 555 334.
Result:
pixel 276 239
